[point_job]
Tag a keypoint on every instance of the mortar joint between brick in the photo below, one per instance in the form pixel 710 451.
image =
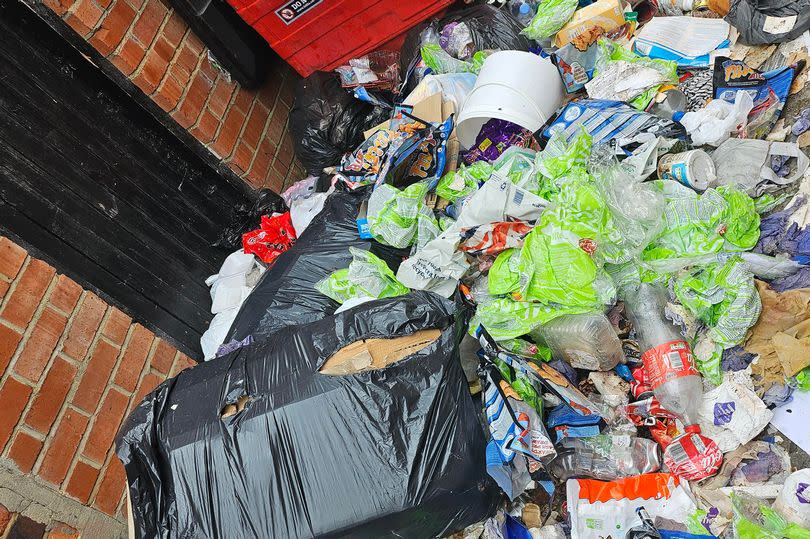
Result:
pixel 230 156
pixel 82 367
pixel 100 23
pixel 102 471
pixel 205 106
pixel 128 34
pixel 25 429
pixel 172 60
pixel 57 352
pixel 259 145
pixel 231 101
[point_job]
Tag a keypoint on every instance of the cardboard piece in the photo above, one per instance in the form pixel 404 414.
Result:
pixel 429 109
pixel 785 315
pixel 371 354
pixel 590 22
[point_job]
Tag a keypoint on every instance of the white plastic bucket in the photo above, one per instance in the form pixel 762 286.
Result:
pixel 516 86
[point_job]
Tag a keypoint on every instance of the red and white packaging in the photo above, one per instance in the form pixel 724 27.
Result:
pixel 275 236
pixel 668 361
pixel 693 456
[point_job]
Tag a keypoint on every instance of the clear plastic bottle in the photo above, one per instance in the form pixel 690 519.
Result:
pixel 667 357
pixel 605 457
pixel 522 10
pixel 585 341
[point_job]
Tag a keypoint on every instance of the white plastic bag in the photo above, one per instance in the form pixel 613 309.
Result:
pixel 732 414
pixel 793 501
pixel 229 289
pixel 600 509
pixel 714 123
pixel 747 164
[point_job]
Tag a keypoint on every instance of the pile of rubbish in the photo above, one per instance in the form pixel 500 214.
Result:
pixel 549 277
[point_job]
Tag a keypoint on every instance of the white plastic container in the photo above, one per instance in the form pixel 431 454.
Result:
pixel 793 501
pixel 694 169
pixel 585 341
pixel 516 86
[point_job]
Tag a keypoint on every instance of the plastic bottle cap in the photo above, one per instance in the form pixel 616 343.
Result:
pixel 524 9
pixel 677 115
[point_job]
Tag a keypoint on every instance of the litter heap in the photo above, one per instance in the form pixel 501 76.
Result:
pixel 549 277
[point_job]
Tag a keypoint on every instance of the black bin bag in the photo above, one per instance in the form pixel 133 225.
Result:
pixel 327 121
pixel 490 28
pixel 762 22
pixel 286 295
pixel 393 452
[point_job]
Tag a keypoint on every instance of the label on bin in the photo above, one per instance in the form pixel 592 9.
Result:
pixel 668 361
pixel 294 9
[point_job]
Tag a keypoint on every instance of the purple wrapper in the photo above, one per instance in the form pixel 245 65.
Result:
pixel 495 137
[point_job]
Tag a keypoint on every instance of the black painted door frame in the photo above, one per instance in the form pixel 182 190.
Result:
pixel 107 192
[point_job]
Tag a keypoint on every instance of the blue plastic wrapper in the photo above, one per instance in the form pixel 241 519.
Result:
pixel 607 120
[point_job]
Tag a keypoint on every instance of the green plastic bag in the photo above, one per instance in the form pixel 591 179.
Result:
pixel 579 207
pixel 559 157
pixel 551 269
pixel 505 318
pixel 440 62
pixel 537 352
pixel 522 385
pixel 725 298
pixel 463 181
pixel 753 519
pixel 550 17
pixel 395 216
pixel 803 379
pixel 517 164
pixel 366 276
pixel 722 219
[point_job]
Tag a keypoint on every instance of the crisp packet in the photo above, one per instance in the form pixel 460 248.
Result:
pixel 495 137
pixel 275 236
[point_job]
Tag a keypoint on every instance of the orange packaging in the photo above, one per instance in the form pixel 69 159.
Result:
pixel 594 20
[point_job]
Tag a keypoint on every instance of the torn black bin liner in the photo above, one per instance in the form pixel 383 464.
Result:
pixel 769 21
pixel 286 295
pixel 395 452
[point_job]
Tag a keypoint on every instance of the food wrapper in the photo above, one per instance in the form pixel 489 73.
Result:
pixel 275 236
pixel 770 90
pixel 602 509
pixel 495 137
pixel 693 456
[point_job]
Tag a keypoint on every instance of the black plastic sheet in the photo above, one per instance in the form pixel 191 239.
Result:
pixel 247 217
pixel 490 28
pixel 286 296
pixel 395 452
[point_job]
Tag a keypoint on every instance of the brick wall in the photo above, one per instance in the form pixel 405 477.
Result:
pixel 72 367
pixel 154 48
